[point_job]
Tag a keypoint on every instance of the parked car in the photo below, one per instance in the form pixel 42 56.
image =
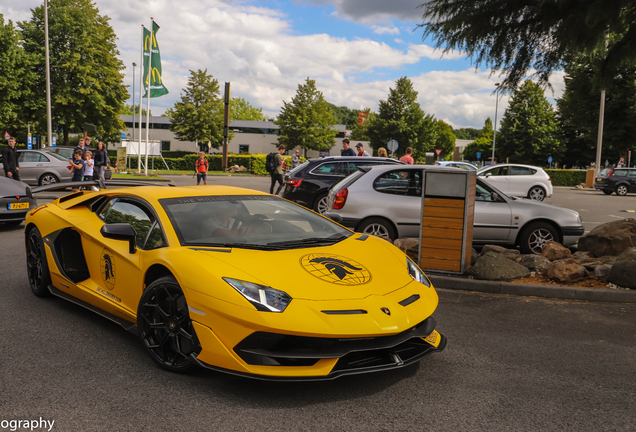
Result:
pixel 16 200
pixel 619 180
pixel 67 152
pixel 518 180
pixel 38 167
pixel 387 201
pixel 452 164
pixel 309 183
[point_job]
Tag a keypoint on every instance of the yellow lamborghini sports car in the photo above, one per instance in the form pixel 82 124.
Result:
pixel 234 280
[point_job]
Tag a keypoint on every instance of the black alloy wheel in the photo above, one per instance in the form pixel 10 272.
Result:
pixel 621 190
pixel 165 327
pixel 379 227
pixel 47 179
pixel 534 237
pixel 320 204
pixel 37 266
pixel 536 193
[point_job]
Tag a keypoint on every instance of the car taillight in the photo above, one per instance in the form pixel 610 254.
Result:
pixel 341 199
pixel 293 182
pixel 69 167
pixel 610 173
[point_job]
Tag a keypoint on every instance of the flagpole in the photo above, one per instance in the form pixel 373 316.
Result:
pixel 152 38
pixel 141 79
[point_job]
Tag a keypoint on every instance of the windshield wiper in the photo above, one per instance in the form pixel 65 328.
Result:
pixel 241 246
pixel 310 241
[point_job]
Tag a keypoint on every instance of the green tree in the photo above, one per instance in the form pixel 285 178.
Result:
pixel 306 121
pixel 400 118
pixel 240 109
pixel 198 115
pixel 128 110
pixel 519 36
pixel 529 133
pixel 16 80
pixel 360 131
pixel 344 116
pixel 86 75
pixel 466 133
pixel 482 144
pixel 445 139
pixel 578 114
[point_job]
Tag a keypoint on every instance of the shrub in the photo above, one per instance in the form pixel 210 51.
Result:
pixel 566 177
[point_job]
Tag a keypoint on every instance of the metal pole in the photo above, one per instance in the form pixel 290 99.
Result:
pixel 133 101
pixel 599 139
pixel 49 125
pixel 152 40
pixel 226 123
pixel 141 87
pixel 494 135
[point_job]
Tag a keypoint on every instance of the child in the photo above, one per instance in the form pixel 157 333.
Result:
pixel 77 169
pixel 88 170
pixel 202 168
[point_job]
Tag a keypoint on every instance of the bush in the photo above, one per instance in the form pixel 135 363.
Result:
pixel 566 177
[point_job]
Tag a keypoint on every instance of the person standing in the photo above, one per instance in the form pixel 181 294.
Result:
pixel 621 163
pixel 201 167
pixel 101 161
pixel 296 159
pixel 88 168
pixel 346 151
pixel 361 150
pixel 81 146
pixel 77 167
pixel 277 174
pixel 87 143
pixel 10 161
pixel 408 157
pixel 382 152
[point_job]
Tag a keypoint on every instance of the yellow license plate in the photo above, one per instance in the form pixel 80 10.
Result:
pixel 434 338
pixel 599 179
pixel 18 206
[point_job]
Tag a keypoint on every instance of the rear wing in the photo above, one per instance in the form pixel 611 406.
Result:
pixel 96 183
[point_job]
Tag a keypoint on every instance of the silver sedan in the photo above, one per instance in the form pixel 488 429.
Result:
pixel 387 201
pixel 39 168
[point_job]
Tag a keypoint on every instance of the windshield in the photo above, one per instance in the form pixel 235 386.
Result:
pixel 250 222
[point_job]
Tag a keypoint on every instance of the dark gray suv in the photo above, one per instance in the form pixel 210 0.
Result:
pixel 619 180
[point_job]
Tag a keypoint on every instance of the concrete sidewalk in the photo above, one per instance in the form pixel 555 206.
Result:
pixel 548 291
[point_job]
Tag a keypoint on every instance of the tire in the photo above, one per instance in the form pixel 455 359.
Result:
pixel 607 192
pixel 37 266
pixel 47 179
pixel 320 204
pixel 534 236
pixel 165 328
pixel 536 193
pixel 621 190
pixel 378 227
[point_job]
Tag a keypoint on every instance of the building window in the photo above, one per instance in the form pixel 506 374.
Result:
pixel 244 148
pixel 165 145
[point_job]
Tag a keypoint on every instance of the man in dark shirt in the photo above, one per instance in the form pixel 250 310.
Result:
pixel 10 161
pixel 346 151
pixel 81 146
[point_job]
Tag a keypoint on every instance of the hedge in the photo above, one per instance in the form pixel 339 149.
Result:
pixel 566 177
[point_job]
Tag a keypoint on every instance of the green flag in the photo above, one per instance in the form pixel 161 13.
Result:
pixel 154 74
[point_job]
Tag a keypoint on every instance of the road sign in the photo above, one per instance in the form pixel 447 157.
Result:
pixel 53 140
pixel 123 136
pixel 550 159
pixel 478 155
pixel 438 152
pixel 6 135
pixel 392 145
pixel 29 141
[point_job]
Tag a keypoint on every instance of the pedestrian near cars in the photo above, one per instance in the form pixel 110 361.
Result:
pixel 361 150
pixel 408 157
pixel 382 152
pixel 296 158
pixel 90 164
pixel 10 160
pixel 346 151
pixel 101 161
pixel 77 167
pixel 87 143
pixel 81 145
pixel 277 174
pixel 201 167
pixel 621 163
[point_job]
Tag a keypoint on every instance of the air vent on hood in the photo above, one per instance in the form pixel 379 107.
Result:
pixel 345 312
pixel 407 301
pixel 363 237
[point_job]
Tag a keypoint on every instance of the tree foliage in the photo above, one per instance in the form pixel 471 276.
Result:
pixel 360 131
pixel 128 110
pixel 482 144
pixel 345 116
pixel 445 139
pixel 198 114
pixel 400 118
pixel 579 110
pixel 306 121
pixel 86 74
pixel 519 36
pixel 16 80
pixel 240 109
pixel 466 133
pixel 529 133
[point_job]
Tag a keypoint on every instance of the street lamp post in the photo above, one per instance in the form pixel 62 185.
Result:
pixel 49 127
pixel 494 135
pixel 133 101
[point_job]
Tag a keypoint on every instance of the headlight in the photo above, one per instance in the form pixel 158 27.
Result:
pixel 417 274
pixel 578 219
pixel 264 298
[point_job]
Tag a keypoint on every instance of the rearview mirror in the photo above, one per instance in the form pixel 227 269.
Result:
pixel 121 231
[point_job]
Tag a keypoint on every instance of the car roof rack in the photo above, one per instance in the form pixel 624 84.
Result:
pixel 100 184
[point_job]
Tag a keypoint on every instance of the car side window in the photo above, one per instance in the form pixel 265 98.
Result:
pixel 515 170
pixel 123 211
pixel 493 171
pixel 29 157
pixel 620 173
pixel 400 182
pixel 332 168
pixel 632 173
pixel 484 194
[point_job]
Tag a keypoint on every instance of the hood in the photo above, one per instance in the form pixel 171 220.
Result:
pixel 351 269
pixel 10 187
pixel 539 207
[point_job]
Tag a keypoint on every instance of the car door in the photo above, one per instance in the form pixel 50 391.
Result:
pixel 520 180
pixel 497 176
pixel 400 199
pixel 31 166
pixel 493 217
pixel 115 272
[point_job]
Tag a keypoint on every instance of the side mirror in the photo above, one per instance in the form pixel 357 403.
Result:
pixel 488 174
pixel 334 217
pixel 121 231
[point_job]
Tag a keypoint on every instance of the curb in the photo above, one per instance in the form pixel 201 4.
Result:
pixel 558 292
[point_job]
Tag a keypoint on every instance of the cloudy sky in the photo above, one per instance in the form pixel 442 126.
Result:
pixel 354 49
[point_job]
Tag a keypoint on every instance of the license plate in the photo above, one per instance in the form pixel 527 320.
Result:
pixel 599 179
pixel 18 206
pixel 434 338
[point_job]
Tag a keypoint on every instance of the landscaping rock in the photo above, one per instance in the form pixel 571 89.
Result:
pixel 611 238
pixel 566 270
pixel 474 256
pixel 535 263
pixel 592 263
pixel 555 251
pixel 603 270
pixel 582 255
pixel 623 272
pixel 409 246
pixel 511 254
pixel 496 267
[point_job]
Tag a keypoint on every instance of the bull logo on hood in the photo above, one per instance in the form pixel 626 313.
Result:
pixel 335 269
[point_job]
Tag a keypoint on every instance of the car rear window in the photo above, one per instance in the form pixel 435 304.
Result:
pixel 605 171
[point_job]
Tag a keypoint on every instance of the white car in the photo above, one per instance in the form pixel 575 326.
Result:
pixel 518 180
pixel 452 164
pixel 386 201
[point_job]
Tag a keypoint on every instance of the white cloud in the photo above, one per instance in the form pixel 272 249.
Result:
pixel 386 30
